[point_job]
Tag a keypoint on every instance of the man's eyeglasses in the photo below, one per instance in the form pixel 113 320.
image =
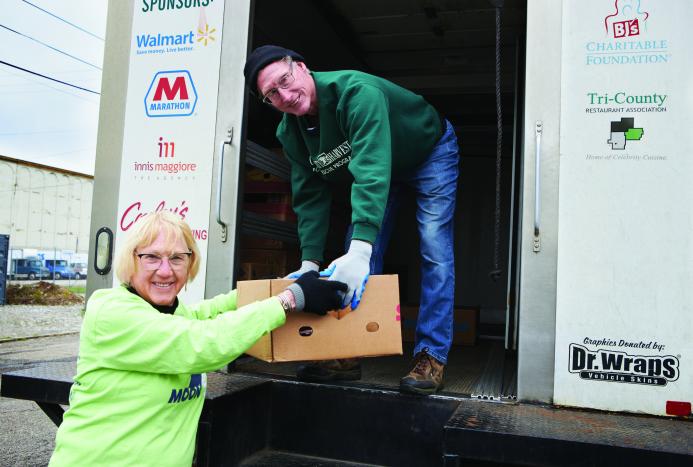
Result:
pixel 272 96
pixel 152 262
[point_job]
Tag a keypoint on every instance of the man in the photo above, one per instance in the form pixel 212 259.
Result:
pixel 348 128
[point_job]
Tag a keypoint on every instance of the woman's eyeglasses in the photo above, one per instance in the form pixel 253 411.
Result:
pixel 152 262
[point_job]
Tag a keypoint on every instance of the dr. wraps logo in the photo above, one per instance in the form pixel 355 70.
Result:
pixel 620 367
pixel 171 94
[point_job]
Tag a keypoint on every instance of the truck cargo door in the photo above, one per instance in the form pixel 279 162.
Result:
pixel 624 339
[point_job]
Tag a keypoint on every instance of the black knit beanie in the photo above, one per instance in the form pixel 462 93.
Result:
pixel 263 56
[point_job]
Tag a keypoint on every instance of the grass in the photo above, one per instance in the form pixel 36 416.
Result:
pixel 78 289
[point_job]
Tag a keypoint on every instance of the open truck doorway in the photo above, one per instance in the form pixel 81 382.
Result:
pixel 447 52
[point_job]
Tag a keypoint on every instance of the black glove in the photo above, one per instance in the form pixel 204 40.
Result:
pixel 317 296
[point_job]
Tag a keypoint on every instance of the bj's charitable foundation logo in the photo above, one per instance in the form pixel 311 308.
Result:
pixel 626 40
pixel 618 366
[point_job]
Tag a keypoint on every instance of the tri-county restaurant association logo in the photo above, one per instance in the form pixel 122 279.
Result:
pixel 623 131
pixel 626 102
pixel 171 94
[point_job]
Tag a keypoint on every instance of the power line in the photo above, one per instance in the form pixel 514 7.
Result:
pixel 49 78
pixel 50 47
pixel 49 85
pixel 63 20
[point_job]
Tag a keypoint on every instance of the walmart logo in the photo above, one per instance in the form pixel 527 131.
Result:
pixel 205 34
pixel 162 40
pixel 161 43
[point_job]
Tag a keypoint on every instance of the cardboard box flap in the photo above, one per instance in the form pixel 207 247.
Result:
pixel 249 292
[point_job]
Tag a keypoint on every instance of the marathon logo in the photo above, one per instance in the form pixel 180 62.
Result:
pixel 171 94
pixel 620 367
pixel 193 391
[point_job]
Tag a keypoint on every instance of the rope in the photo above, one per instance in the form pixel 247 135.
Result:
pixel 497 271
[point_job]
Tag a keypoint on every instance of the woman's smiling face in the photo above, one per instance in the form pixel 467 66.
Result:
pixel 161 286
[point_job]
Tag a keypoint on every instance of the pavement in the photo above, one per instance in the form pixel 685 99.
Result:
pixel 30 333
pixel 27 321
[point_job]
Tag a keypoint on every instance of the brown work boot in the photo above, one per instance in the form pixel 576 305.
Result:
pixel 425 378
pixel 343 369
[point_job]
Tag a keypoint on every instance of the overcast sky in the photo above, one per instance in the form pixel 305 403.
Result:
pixel 41 120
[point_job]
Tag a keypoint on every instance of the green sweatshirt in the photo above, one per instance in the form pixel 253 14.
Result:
pixel 369 130
pixel 140 383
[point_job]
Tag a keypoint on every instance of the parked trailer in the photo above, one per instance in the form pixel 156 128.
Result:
pixel 581 278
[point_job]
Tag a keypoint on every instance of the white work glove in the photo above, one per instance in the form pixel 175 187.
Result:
pixel 353 269
pixel 306 266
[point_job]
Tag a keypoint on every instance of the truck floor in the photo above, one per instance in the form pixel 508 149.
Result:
pixel 484 370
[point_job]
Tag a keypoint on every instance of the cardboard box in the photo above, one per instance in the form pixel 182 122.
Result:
pixel 464 330
pixel 372 330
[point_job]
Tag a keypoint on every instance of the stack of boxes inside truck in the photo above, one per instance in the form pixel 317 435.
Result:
pixel 267 258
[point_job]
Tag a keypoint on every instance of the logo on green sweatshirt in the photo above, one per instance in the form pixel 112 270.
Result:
pixel 193 390
pixel 333 159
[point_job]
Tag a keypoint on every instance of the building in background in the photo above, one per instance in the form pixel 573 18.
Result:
pixel 45 211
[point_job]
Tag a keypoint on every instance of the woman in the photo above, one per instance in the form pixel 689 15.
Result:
pixel 140 383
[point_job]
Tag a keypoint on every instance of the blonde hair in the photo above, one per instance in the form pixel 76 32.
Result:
pixel 145 233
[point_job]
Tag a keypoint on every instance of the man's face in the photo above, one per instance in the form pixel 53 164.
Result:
pixel 299 97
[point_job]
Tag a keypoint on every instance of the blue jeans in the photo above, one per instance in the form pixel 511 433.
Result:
pixel 435 185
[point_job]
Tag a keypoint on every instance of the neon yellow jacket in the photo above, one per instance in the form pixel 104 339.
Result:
pixel 140 383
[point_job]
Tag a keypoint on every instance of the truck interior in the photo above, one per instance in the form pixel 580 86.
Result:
pixel 444 50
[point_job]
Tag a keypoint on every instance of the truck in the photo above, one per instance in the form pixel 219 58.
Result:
pixel 80 270
pixel 27 268
pixel 572 226
pixel 59 269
